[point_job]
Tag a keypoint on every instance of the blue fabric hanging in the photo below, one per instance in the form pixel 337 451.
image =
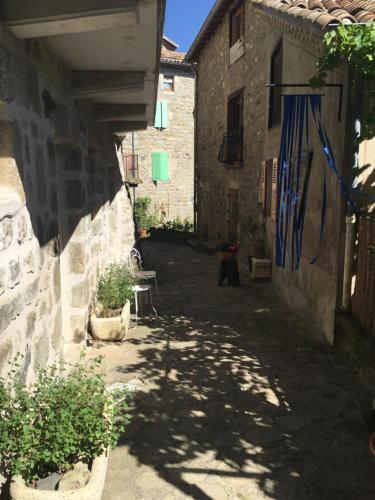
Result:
pixel 293 183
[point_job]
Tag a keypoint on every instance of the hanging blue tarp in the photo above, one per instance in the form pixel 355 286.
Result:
pixel 293 181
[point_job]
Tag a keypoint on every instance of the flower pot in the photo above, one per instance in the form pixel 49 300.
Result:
pixel 143 233
pixel 91 491
pixel 111 329
pixel 226 255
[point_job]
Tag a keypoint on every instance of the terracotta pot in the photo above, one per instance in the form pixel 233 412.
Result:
pixel 226 255
pixel 111 329
pixel 142 233
pixel 91 491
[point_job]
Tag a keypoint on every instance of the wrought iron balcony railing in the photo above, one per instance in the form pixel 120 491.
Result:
pixel 231 149
pixel 131 169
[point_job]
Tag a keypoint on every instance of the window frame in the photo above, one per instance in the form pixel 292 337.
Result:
pixel 232 98
pixel 172 88
pixel 235 104
pixel 275 95
pixel 238 8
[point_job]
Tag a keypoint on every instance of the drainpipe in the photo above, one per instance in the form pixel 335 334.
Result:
pixel 194 68
pixel 350 221
pixel 133 152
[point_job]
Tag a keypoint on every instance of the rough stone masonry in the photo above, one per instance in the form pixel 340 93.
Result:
pixel 64 210
pixel 174 197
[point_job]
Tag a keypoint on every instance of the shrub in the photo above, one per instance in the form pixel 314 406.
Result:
pixel 178 225
pixel 115 287
pixel 67 416
pixel 144 219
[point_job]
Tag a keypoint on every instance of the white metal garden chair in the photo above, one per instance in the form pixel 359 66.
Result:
pixel 138 289
pixel 134 265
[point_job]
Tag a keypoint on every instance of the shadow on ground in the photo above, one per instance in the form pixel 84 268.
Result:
pixel 237 403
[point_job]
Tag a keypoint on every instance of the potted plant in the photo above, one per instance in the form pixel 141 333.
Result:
pixel 142 216
pixel 111 316
pixel 66 421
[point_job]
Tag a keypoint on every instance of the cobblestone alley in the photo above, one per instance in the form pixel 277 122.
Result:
pixel 237 397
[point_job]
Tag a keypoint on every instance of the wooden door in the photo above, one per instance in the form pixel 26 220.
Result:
pixel 233 215
pixel 203 213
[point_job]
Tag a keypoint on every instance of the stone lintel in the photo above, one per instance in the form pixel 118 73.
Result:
pixel 88 83
pixel 65 143
pixel 108 112
pixel 36 18
pixel 117 127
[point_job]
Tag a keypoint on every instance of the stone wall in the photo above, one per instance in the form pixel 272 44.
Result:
pixel 314 289
pixel 64 210
pixel 176 196
pixel 217 80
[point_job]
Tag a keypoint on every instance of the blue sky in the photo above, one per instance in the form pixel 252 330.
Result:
pixel 184 19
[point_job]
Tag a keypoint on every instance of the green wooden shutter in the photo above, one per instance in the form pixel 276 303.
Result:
pixel 164 114
pixel 160 166
pixel 158 115
pixel 161 115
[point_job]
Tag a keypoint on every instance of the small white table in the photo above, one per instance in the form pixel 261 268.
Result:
pixel 141 289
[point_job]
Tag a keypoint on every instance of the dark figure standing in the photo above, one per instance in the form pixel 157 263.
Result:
pixel 228 264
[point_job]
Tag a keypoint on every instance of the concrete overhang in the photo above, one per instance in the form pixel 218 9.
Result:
pixel 112 46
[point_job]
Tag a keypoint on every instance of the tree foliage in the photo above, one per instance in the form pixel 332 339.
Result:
pixel 354 44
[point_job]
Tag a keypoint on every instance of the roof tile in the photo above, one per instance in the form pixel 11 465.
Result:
pixel 172 55
pixel 328 11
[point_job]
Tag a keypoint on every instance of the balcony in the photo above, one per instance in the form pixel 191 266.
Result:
pixel 131 170
pixel 231 149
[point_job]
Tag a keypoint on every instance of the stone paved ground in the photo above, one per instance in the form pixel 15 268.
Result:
pixel 239 400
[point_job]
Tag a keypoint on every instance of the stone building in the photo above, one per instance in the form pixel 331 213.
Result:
pixel 68 84
pixel 164 153
pixel 242 47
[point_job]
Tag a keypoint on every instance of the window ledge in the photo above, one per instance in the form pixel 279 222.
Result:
pixel 236 51
pixel 234 165
pixel 133 181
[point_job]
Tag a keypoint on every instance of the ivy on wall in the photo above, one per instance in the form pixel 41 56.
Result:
pixel 354 44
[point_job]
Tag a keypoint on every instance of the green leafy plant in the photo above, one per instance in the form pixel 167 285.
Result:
pixel 354 44
pixel 114 288
pixel 141 208
pixel 67 416
pixel 144 219
pixel 178 225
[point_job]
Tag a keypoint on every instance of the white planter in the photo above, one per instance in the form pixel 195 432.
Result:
pixel 111 328
pixel 92 491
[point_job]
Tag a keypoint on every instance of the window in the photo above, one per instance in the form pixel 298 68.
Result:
pixel 274 115
pixel 232 147
pixel 168 83
pixel 236 28
pixel 160 166
pixel 234 113
pixel 130 163
pixel 161 115
pixel 234 125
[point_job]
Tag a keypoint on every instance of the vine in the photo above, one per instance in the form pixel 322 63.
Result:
pixel 354 44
